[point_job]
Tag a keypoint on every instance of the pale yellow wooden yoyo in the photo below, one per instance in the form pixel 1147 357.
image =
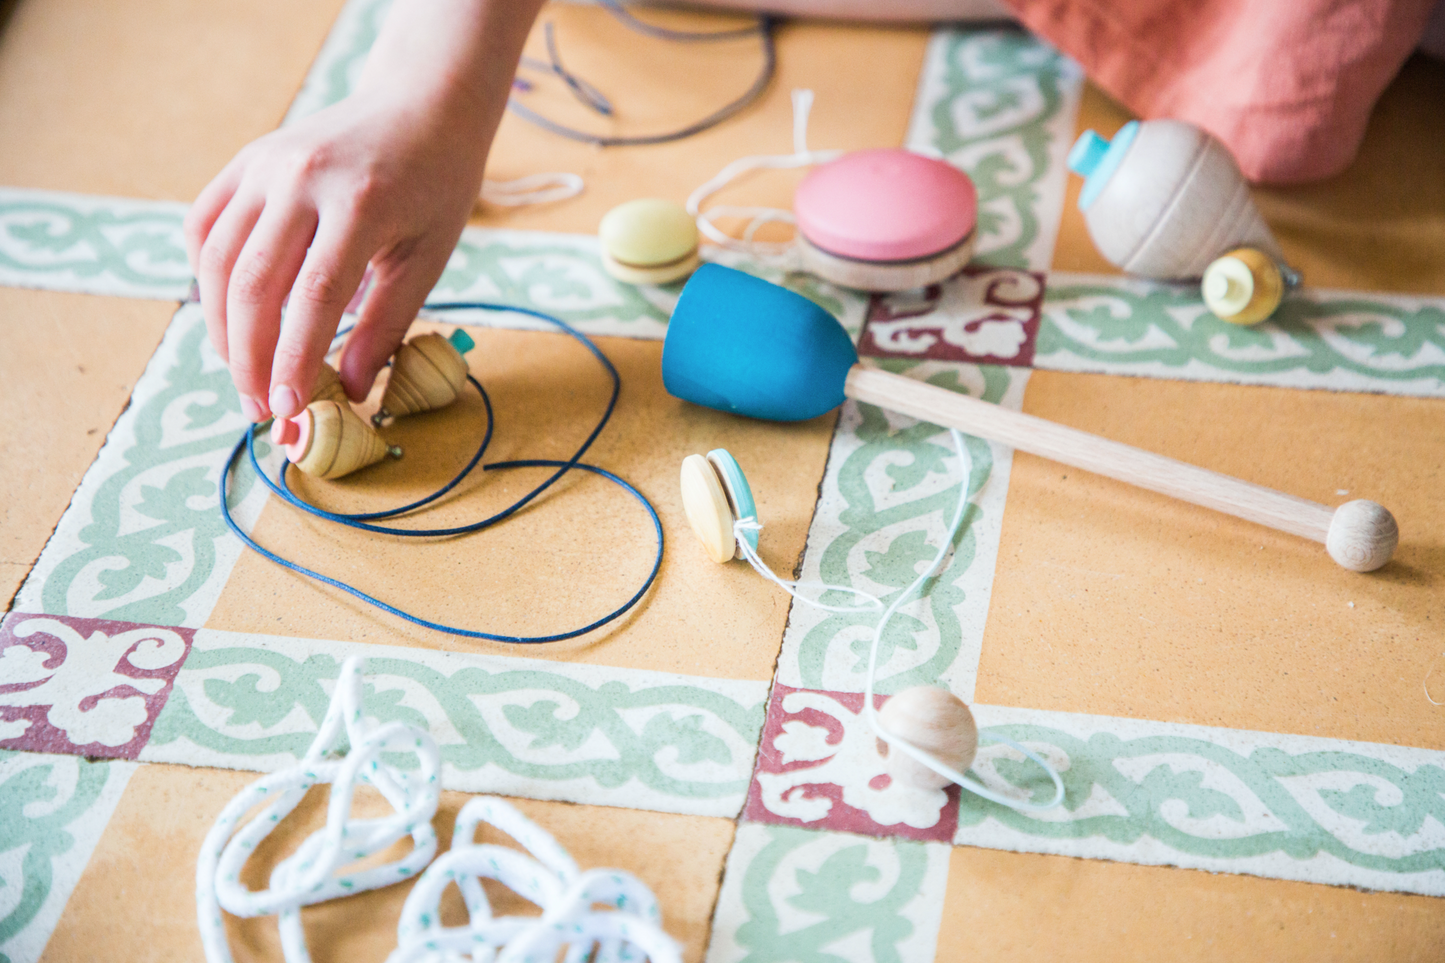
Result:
pixel 427 372
pixel 715 495
pixel 934 720
pixel 328 386
pixel 1244 286
pixel 332 440
pixel 648 241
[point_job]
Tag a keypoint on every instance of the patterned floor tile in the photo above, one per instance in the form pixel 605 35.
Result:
pixel 1335 340
pixel 794 894
pixel 528 727
pixel 53 810
pixel 819 766
pixel 983 316
pixel 1224 800
pixel 889 491
pixel 84 686
pixel 92 245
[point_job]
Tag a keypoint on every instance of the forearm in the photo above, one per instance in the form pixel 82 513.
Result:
pixel 454 58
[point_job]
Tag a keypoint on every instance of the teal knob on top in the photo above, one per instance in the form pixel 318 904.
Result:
pixel 462 341
pixel 1096 159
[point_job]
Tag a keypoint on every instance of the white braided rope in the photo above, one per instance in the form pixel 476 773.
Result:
pixel 316 871
pixel 548 877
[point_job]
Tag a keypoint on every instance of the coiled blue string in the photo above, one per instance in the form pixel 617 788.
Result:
pixel 363 520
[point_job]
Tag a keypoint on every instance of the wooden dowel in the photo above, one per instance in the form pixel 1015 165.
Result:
pixel 1360 535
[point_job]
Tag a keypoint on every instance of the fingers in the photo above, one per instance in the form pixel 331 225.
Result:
pixel 398 291
pixel 202 215
pixel 217 255
pixel 328 279
pixel 263 273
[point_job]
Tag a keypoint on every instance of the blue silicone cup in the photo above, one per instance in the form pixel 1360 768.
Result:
pixel 738 343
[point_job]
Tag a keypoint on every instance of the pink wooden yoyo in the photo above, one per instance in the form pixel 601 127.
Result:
pixel 886 220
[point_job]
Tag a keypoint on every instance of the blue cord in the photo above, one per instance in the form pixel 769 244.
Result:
pixel 362 521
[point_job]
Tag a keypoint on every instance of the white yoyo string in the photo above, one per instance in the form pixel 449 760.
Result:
pixel 782 254
pixel 870 680
pixel 316 872
pixel 545 875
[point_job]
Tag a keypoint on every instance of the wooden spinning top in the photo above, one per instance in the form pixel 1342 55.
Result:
pixel 715 495
pixel 329 440
pixel 934 720
pixel 428 372
pixel 648 241
pixel 1244 286
pixel 1163 199
pixel 886 220
pixel 328 386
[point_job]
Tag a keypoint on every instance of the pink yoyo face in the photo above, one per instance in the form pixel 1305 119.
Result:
pixel 886 205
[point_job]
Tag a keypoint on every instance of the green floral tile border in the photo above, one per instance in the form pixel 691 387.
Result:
pixel 889 491
pixel 338 65
pixel 1224 800
pixel 793 895
pixel 1000 104
pixel 53 810
pixel 143 540
pixel 517 726
pixel 88 244
pixel 1337 340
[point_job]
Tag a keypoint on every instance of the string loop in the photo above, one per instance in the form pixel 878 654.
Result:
pixel 364 521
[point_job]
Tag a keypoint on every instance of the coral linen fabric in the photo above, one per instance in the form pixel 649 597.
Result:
pixel 1287 84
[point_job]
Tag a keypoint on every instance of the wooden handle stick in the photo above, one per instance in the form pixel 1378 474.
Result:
pixel 1360 535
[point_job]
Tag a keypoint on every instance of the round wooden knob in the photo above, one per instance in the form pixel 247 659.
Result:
pixel 1362 535
pixel 936 721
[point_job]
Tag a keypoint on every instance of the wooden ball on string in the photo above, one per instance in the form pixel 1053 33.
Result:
pixel 934 720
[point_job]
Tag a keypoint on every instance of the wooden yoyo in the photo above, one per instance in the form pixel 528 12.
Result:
pixel 328 440
pixel 1165 200
pixel 934 720
pixel 715 496
pixel 648 241
pixel 885 220
pixel 740 344
pixel 427 372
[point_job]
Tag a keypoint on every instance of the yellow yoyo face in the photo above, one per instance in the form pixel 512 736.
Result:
pixel 707 508
pixel 648 241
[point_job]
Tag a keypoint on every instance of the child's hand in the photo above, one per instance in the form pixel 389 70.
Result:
pixel 386 177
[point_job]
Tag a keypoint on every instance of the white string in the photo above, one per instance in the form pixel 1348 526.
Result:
pixel 758 216
pixel 751 524
pixel 545 875
pixel 310 875
pixel 532 189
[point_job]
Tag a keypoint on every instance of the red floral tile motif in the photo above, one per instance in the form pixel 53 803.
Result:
pixel 90 687
pixel 982 315
pixel 819 767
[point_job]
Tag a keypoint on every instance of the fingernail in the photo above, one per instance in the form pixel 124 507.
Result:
pixel 250 409
pixel 284 403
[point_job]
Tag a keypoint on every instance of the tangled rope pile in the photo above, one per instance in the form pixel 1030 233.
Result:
pixel 549 877
pixel 325 866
